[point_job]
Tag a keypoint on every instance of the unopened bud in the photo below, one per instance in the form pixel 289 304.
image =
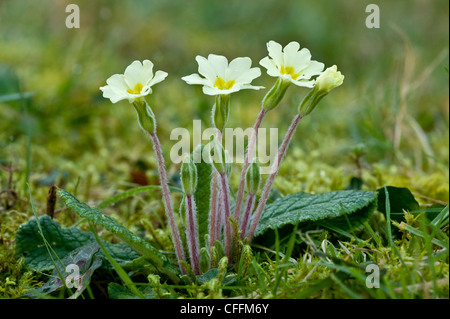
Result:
pixel 221 111
pixel 329 79
pixel 253 178
pixel 188 175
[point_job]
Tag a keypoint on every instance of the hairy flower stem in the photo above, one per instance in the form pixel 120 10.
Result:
pixel 247 213
pixel 167 203
pixel 220 213
pixel 247 160
pixel 213 212
pixel 273 174
pixel 192 235
pixel 227 210
pixel 214 218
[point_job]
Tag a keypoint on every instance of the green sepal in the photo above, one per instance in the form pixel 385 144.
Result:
pixel 275 95
pixel 188 175
pixel 145 116
pixel 310 101
pixel 253 178
pixel 221 111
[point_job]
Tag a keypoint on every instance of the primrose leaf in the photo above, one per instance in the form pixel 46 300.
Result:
pixel 95 216
pixel 400 199
pixel 30 245
pixel 116 291
pixel 76 270
pixel 202 193
pixel 338 208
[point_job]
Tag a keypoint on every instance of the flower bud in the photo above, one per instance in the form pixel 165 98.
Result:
pixel 145 116
pixel 218 156
pixel 329 79
pixel 275 95
pixel 221 111
pixel 253 178
pixel 188 175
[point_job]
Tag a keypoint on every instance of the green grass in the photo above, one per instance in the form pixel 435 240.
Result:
pixel 55 128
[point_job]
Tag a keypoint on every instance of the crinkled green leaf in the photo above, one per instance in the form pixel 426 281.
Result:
pixel 30 245
pixel 116 291
pixel 329 207
pixel 400 199
pixel 141 266
pixel 98 218
pixel 76 270
pixel 202 194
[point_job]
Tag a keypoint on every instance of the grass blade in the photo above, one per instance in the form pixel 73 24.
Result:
pixel 388 217
pixel 122 274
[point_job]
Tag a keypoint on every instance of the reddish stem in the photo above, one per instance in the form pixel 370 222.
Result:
pixel 273 174
pixel 219 214
pixel 167 203
pixel 192 235
pixel 247 160
pixel 247 213
pixel 214 218
pixel 227 211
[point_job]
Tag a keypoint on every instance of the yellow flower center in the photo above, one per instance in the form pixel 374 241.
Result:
pixel 289 70
pixel 137 89
pixel 221 85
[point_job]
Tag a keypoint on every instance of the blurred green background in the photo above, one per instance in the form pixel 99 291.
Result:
pixel 55 126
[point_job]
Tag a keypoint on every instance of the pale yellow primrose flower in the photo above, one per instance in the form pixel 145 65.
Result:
pixel 223 78
pixel 329 79
pixel 291 64
pixel 134 84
